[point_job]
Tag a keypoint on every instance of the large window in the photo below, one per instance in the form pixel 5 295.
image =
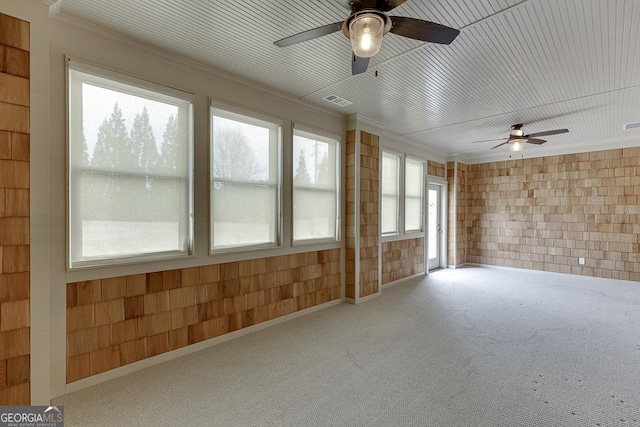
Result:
pixel 315 187
pixel 402 198
pixel 413 195
pixel 390 193
pixel 245 180
pixel 130 181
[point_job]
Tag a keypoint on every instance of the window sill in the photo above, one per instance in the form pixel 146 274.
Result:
pixel 407 236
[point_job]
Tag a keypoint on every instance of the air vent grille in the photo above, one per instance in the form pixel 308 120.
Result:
pixel 632 126
pixel 335 99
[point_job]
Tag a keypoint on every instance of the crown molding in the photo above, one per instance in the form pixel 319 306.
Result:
pixel 431 154
pixel 600 145
pixel 182 61
pixel 357 118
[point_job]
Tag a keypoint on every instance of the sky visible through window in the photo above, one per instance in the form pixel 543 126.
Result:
pixel 97 106
pixel 254 138
pixel 313 151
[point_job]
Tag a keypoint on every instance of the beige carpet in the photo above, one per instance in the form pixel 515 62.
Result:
pixel 467 347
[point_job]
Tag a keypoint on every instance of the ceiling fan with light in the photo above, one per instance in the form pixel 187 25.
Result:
pixel 517 138
pixel 366 26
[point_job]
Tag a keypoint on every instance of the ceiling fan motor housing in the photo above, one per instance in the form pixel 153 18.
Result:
pixel 382 15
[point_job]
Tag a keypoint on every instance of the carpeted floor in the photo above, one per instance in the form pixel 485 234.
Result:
pixel 475 346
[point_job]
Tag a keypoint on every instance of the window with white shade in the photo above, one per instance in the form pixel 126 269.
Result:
pixel 413 195
pixel 315 187
pixel 130 163
pixel 390 193
pixel 245 180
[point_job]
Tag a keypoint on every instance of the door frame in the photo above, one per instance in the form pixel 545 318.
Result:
pixel 442 183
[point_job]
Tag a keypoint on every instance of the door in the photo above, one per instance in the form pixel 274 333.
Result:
pixel 435 227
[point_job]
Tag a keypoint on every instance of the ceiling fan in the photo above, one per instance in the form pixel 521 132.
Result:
pixel 517 138
pixel 368 23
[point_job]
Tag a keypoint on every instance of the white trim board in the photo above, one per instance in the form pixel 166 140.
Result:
pixel 404 279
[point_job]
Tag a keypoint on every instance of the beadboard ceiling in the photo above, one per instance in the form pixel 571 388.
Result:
pixel 546 63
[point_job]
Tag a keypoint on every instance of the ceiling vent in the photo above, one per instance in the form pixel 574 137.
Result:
pixel 632 126
pixel 335 99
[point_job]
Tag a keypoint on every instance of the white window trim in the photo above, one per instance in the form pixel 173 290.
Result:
pixel 229 110
pixel 331 139
pixel 121 77
pixel 422 197
pixel 156 92
pixel 316 131
pixel 402 234
pixel 399 211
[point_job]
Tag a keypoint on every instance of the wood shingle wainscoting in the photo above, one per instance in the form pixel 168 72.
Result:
pixel 117 321
pixel 402 259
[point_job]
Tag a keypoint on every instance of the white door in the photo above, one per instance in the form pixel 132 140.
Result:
pixel 435 227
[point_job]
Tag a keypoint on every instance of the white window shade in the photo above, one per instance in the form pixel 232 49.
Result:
pixel 414 195
pixel 130 186
pixel 315 187
pixel 390 193
pixel 245 181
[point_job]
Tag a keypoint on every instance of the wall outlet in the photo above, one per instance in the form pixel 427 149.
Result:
pixel 581 261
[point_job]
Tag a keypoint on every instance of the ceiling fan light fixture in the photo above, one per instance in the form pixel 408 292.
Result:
pixel 516 144
pixel 365 32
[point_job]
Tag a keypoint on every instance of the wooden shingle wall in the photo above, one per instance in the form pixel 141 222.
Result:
pixel 351 212
pixel 545 213
pixel 14 212
pixel 436 169
pixel 362 201
pixel 121 320
pixel 369 202
pixel 401 259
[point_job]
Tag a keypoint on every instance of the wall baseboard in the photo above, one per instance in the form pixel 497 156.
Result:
pixel 461 265
pixel 369 297
pixel 164 357
pixel 356 301
pixel 404 279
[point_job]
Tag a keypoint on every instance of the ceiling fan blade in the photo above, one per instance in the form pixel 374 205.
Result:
pixel 499 145
pixel 490 140
pixel 358 65
pixel 422 30
pixel 309 34
pixel 387 5
pixel 535 141
pixel 350 4
pixel 547 133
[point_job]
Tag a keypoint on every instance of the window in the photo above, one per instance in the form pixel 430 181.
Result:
pixel 315 187
pixel 130 183
pixel 414 195
pixel 402 199
pixel 245 180
pixel 390 193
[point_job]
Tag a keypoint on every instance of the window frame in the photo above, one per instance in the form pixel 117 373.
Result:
pixel 329 138
pixel 244 115
pixel 118 81
pixel 399 203
pixel 422 163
